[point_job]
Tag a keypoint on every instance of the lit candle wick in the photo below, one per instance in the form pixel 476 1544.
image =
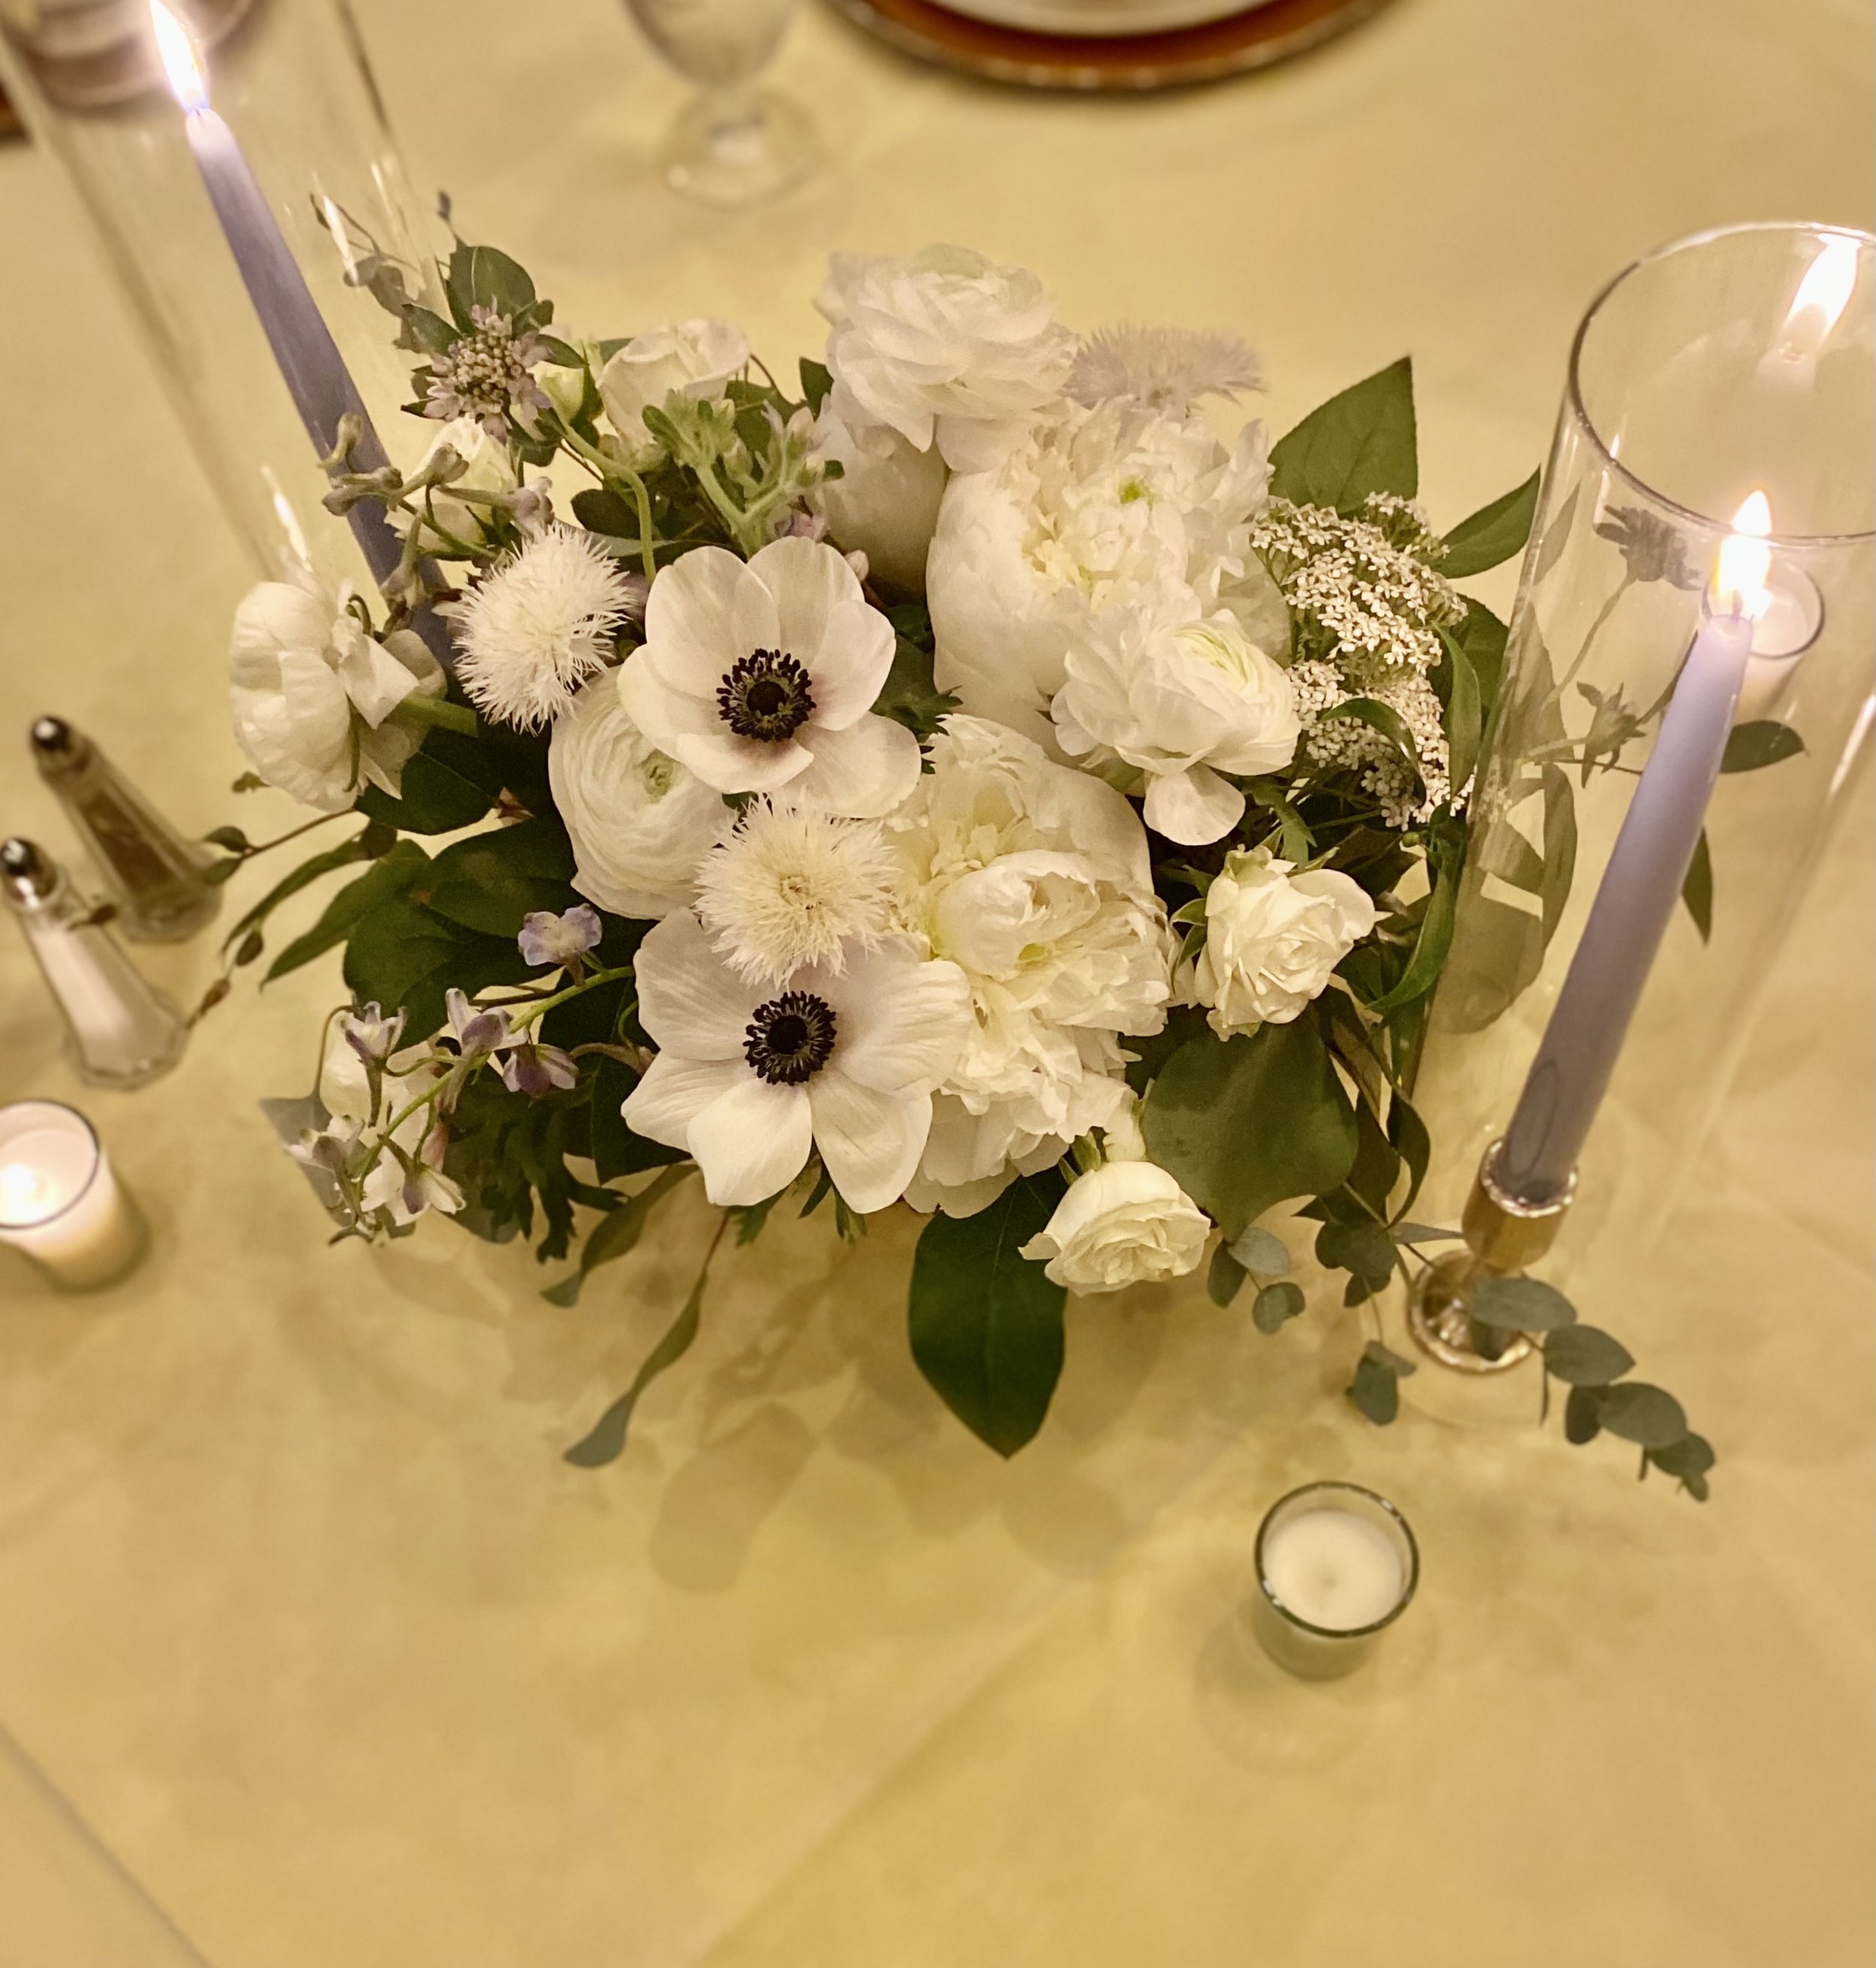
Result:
pixel 188 82
pixel 22 1193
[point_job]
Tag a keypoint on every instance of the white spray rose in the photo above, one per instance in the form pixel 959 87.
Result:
pixel 1184 702
pixel 487 468
pixel 886 502
pixel 1118 507
pixel 315 698
pixel 1124 1223
pixel 1273 938
pixel 640 823
pixel 946 348
pixel 698 358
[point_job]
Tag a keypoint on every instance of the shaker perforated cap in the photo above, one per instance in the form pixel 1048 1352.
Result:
pixel 28 876
pixel 56 745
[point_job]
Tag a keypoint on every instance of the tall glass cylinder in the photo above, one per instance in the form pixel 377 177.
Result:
pixel 1740 361
pixel 290 78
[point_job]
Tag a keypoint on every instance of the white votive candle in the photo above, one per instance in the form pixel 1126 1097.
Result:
pixel 59 1203
pixel 1336 1564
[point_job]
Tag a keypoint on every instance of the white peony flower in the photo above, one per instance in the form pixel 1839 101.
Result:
pixel 697 358
pixel 315 698
pixel 886 503
pixel 1115 507
pixel 1272 939
pixel 760 676
pixel 538 624
pixel 1034 879
pixel 945 347
pixel 487 467
pixel 1184 702
pixel 750 1077
pixel 1166 368
pixel 1124 1223
pixel 639 822
pixel 792 887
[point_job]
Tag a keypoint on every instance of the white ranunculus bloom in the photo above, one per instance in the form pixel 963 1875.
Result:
pixel 640 823
pixel 487 468
pixel 1034 879
pixel 946 348
pixel 697 358
pixel 749 1077
pixel 1272 939
pixel 885 502
pixel 1116 506
pixel 1124 1223
pixel 315 698
pixel 760 676
pixel 1184 702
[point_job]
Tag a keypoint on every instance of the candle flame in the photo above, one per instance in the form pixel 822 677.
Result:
pixel 1823 295
pixel 23 1194
pixel 182 60
pixel 1744 560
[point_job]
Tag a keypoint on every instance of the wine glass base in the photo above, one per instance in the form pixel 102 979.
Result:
pixel 762 147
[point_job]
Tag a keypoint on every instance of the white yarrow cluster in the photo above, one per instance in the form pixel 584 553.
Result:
pixel 538 625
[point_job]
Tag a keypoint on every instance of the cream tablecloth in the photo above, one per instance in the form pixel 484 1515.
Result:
pixel 315 1654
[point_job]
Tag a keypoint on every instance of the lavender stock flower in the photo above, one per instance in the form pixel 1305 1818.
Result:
pixel 550 941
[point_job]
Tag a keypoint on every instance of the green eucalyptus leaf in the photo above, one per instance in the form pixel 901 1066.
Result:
pixel 1522 1304
pixel 1490 535
pixel 1585 1356
pixel 1252 1121
pixel 1263 1251
pixel 1649 1416
pixel 1225 1278
pixel 1375 1389
pixel 1762 741
pixel 1688 1461
pixel 1362 1248
pixel 1360 442
pixel 1696 888
pixel 616 1233
pixel 986 1321
pixel 1583 1415
pixel 1276 1305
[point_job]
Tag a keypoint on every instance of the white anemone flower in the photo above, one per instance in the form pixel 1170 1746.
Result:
pixel 760 676
pixel 749 1078
pixel 538 625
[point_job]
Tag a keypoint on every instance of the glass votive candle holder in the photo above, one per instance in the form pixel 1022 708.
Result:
pixel 1336 1565
pixel 59 1203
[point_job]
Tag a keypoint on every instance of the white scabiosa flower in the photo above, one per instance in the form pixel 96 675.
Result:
pixel 1184 702
pixel 760 676
pixel 538 625
pixel 639 822
pixel 1167 369
pixel 751 1077
pixel 697 358
pixel 1272 939
pixel 1124 1223
pixel 792 887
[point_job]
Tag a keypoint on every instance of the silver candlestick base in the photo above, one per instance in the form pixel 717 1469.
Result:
pixel 1503 1236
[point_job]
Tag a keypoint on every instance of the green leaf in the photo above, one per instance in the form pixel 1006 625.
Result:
pixel 423 332
pixel 605 1441
pixel 491 881
pixel 1522 1304
pixel 1482 636
pixel 1425 1233
pixel 404 957
pixel 617 1149
pixel 1296 837
pixel 1252 1120
pixel 1583 1415
pixel 1649 1416
pixel 1492 536
pixel 1556 538
pixel 816 380
pixel 480 276
pixel 615 1235
pixel 1362 1248
pixel 1360 442
pixel 1225 1280
pixel 908 696
pixel 391 876
pixel 1763 742
pixel 1559 847
pixel 1585 1356
pixel 1446 851
pixel 1688 1460
pixel 436 799
pixel 985 1322
pixel 1375 1389
pixel 1275 1305
pixel 1261 1250
pixel 1382 717
pixel 303 877
pixel 230 837
pixel 1696 888
pixel 1408 1132
pixel 1465 715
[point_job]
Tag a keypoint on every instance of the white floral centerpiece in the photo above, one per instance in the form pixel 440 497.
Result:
pixel 974 783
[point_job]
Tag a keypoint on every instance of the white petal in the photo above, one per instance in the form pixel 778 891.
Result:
pixel 869 1141
pixel 862 773
pixel 691 619
pixel 900 1024
pixel 809 581
pixel 752 1140
pixel 687 728
pixel 688 998
pixel 850 665
pixel 673 1092
pixel 1194 807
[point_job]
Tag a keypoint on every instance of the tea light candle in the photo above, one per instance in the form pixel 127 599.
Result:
pixel 1336 1564
pixel 59 1203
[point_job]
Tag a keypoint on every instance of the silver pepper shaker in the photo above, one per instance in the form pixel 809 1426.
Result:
pixel 153 875
pixel 121 1030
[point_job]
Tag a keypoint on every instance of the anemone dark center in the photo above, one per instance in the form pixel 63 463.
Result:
pixel 765 695
pixel 790 1038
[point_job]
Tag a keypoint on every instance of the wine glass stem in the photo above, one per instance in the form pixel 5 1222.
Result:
pixel 735 126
